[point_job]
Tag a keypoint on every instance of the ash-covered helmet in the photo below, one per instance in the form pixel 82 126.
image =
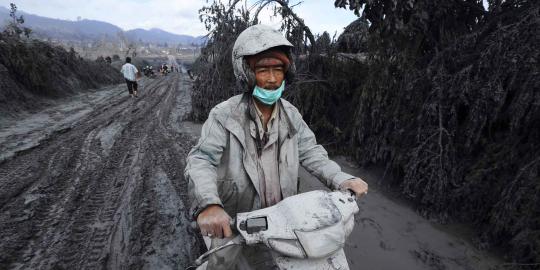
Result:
pixel 253 40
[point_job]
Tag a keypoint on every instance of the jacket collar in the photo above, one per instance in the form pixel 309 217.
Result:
pixel 240 116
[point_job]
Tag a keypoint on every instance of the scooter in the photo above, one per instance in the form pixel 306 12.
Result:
pixel 305 231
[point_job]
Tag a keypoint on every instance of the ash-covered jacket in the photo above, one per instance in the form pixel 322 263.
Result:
pixel 222 169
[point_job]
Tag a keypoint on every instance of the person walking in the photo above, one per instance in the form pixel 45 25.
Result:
pixel 130 75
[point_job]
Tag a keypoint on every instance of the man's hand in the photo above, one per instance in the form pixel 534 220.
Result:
pixel 214 222
pixel 357 185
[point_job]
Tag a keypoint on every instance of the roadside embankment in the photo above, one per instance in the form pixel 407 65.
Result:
pixel 33 72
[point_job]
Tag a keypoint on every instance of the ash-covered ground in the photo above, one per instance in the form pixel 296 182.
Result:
pixel 96 182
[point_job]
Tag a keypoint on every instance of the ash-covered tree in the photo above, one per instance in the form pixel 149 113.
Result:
pixel 450 107
pixel 15 26
pixel 215 81
pixel 323 43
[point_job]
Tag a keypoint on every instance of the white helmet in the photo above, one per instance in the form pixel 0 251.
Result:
pixel 253 40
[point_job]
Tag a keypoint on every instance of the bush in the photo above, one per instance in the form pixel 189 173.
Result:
pixel 450 105
pixel 52 71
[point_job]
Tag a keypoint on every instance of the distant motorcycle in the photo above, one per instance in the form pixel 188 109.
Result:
pixel 306 231
pixel 148 71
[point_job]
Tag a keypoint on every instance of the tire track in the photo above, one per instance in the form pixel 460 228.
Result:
pixel 85 197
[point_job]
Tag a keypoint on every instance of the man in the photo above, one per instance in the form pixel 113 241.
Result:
pixel 130 75
pixel 251 147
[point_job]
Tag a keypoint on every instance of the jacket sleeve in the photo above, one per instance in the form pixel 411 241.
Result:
pixel 314 158
pixel 201 166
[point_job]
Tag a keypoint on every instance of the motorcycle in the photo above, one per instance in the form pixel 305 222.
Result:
pixel 148 71
pixel 305 231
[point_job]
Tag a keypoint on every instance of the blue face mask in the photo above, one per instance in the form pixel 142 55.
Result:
pixel 268 97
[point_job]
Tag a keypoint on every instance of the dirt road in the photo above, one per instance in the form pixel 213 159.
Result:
pixel 97 182
pixel 390 235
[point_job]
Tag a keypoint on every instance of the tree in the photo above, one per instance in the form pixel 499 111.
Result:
pixel 100 59
pixel 323 43
pixel 448 106
pixel 14 27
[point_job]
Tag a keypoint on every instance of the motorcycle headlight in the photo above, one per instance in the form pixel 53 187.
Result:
pixel 287 247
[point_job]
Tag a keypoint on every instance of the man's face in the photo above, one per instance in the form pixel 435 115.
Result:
pixel 269 73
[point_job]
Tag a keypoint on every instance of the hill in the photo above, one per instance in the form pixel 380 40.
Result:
pixel 92 30
pixel 65 29
pixel 156 35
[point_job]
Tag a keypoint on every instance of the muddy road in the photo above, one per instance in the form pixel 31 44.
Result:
pixel 97 182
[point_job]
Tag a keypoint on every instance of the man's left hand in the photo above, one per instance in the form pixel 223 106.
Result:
pixel 356 185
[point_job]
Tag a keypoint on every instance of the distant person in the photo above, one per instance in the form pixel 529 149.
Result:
pixel 130 74
pixel 165 69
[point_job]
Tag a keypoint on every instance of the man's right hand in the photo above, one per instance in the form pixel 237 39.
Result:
pixel 214 222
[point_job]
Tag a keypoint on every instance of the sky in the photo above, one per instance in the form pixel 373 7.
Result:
pixel 175 16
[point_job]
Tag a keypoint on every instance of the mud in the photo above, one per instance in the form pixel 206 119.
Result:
pixel 97 182
pixel 389 234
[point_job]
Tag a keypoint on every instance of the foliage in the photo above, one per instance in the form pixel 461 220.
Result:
pixel 324 93
pixel 354 38
pixel 216 81
pixel 451 107
pixel 14 28
pixel 47 70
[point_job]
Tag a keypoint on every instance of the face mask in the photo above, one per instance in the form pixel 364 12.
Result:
pixel 268 97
